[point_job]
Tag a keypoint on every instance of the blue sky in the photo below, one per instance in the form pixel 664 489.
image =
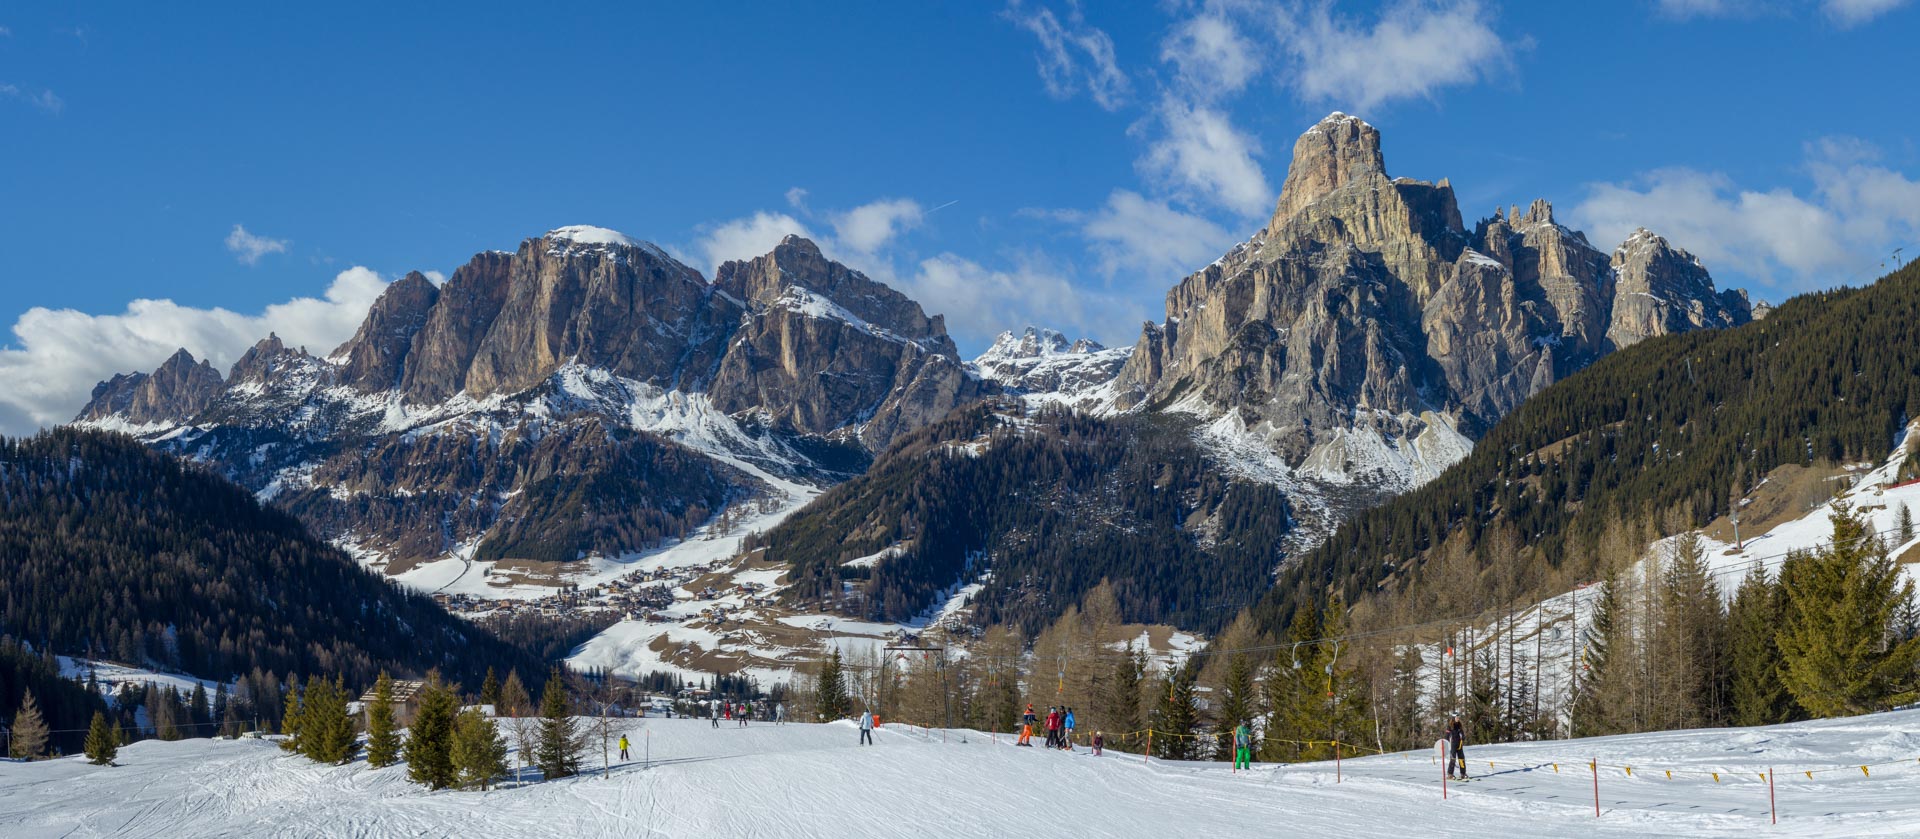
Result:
pixel 199 175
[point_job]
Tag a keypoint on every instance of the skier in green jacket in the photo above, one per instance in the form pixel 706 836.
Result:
pixel 1242 747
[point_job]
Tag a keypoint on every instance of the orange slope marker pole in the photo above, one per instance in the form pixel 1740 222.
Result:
pixel 1773 811
pixel 1595 766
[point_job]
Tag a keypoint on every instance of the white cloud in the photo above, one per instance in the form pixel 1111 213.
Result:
pixel 979 302
pixel 1857 211
pixel 1149 240
pixel 868 227
pixel 1211 58
pixel 1850 13
pixel 1073 56
pixel 1202 157
pixel 248 248
pixel 58 354
pixel 43 99
pixel 1414 49
pixel 797 199
pixel 1687 9
pixel 746 238
pixel 434 277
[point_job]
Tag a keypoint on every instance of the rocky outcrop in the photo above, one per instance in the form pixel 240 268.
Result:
pixel 375 355
pixel 1663 290
pixel 824 349
pixel 443 349
pixel 181 385
pixel 1364 336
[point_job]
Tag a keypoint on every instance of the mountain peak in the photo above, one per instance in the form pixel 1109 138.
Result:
pixel 1337 151
pixel 587 234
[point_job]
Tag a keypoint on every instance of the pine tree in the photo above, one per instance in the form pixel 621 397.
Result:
pixel 103 741
pixel 1836 642
pixel 1174 717
pixel 199 713
pixel 1236 704
pixel 560 739
pixel 832 699
pixel 490 691
pixel 1122 707
pixel 166 714
pixel 29 729
pixel 1905 524
pixel 1296 705
pixel 429 745
pixel 383 739
pixel 514 699
pixel 290 718
pixel 479 753
pixel 1757 696
pixel 327 733
pixel 1693 674
pixel 1607 697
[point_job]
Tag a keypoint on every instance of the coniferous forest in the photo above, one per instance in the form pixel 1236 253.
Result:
pixel 114 550
pixel 1050 503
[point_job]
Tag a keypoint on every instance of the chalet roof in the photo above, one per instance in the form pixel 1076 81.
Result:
pixel 404 691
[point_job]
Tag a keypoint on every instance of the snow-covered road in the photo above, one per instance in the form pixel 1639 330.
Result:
pixel 813 780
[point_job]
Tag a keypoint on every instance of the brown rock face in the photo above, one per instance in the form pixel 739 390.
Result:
pixel 1364 314
pixel 376 353
pixel 180 387
pixel 1663 290
pixel 443 349
pixel 823 348
pixel 626 308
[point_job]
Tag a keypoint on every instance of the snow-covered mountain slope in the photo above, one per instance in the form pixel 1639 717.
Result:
pixel 687 779
pixel 1044 368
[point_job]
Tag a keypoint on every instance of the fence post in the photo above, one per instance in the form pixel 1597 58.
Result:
pixel 1595 766
pixel 1149 752
pixel 1336 761
pixel 1773 811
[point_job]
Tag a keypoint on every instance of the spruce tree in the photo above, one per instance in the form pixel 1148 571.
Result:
pixel 1606 699
pixel 1174 717
pixel 1905 523
pixel 103 741
pixel 199 713
pixel 327 733
pixel 1692 640
pixel 490 691
pixel 383 738
pixel 429 746
pixel 1295 705
pixel 1236 705
pixel 479 753
pixel 560 739
pixel 1757 697
pixel 832 701
pixel 1122 706
pixel 29 729
pixel 1836 644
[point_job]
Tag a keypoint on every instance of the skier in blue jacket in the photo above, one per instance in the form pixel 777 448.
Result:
pixel 1067 724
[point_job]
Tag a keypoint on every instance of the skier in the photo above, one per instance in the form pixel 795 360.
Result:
pixel 1242 747
pixel 780 714
pixel 1457 738
pixel 1066 742
pixel 1099 742
pixel 1053 728
pixel 1026 728
pixel 866 728
pixel 623 747
pixel 713 711
pixel 746 713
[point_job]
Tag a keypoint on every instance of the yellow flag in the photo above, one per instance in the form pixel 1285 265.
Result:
pixel 1863 771
pixel 1556 769
pixel 1629 771
pixel 1716 777
pixel 1809 774
pixel 1669 774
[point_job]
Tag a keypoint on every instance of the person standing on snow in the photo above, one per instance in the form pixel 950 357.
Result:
pixel 746 713
pixel 1066 741
pixel 866 728
pixel 1026 728
pixel 623 747
pixel 1099 742
pixel 1053 728
pixel 713 711
pixel 1242 747
pixel 1457 740
pixel 780 714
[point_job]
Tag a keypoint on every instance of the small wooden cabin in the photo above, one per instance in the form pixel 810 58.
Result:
pixel 406 701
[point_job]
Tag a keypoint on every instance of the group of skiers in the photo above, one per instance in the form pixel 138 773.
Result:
pixel 1059 726
pixel 743 711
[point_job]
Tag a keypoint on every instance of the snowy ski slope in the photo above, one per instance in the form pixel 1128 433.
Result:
pixel 812 780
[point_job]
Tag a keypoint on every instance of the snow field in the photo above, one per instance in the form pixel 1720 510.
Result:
pixel 813 780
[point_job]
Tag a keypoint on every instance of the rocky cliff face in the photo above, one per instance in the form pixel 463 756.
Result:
pixel 586 395
pixel 1356 344
pixel 1045 368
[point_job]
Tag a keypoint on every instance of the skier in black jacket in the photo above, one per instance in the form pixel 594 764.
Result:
pixel 1457 739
